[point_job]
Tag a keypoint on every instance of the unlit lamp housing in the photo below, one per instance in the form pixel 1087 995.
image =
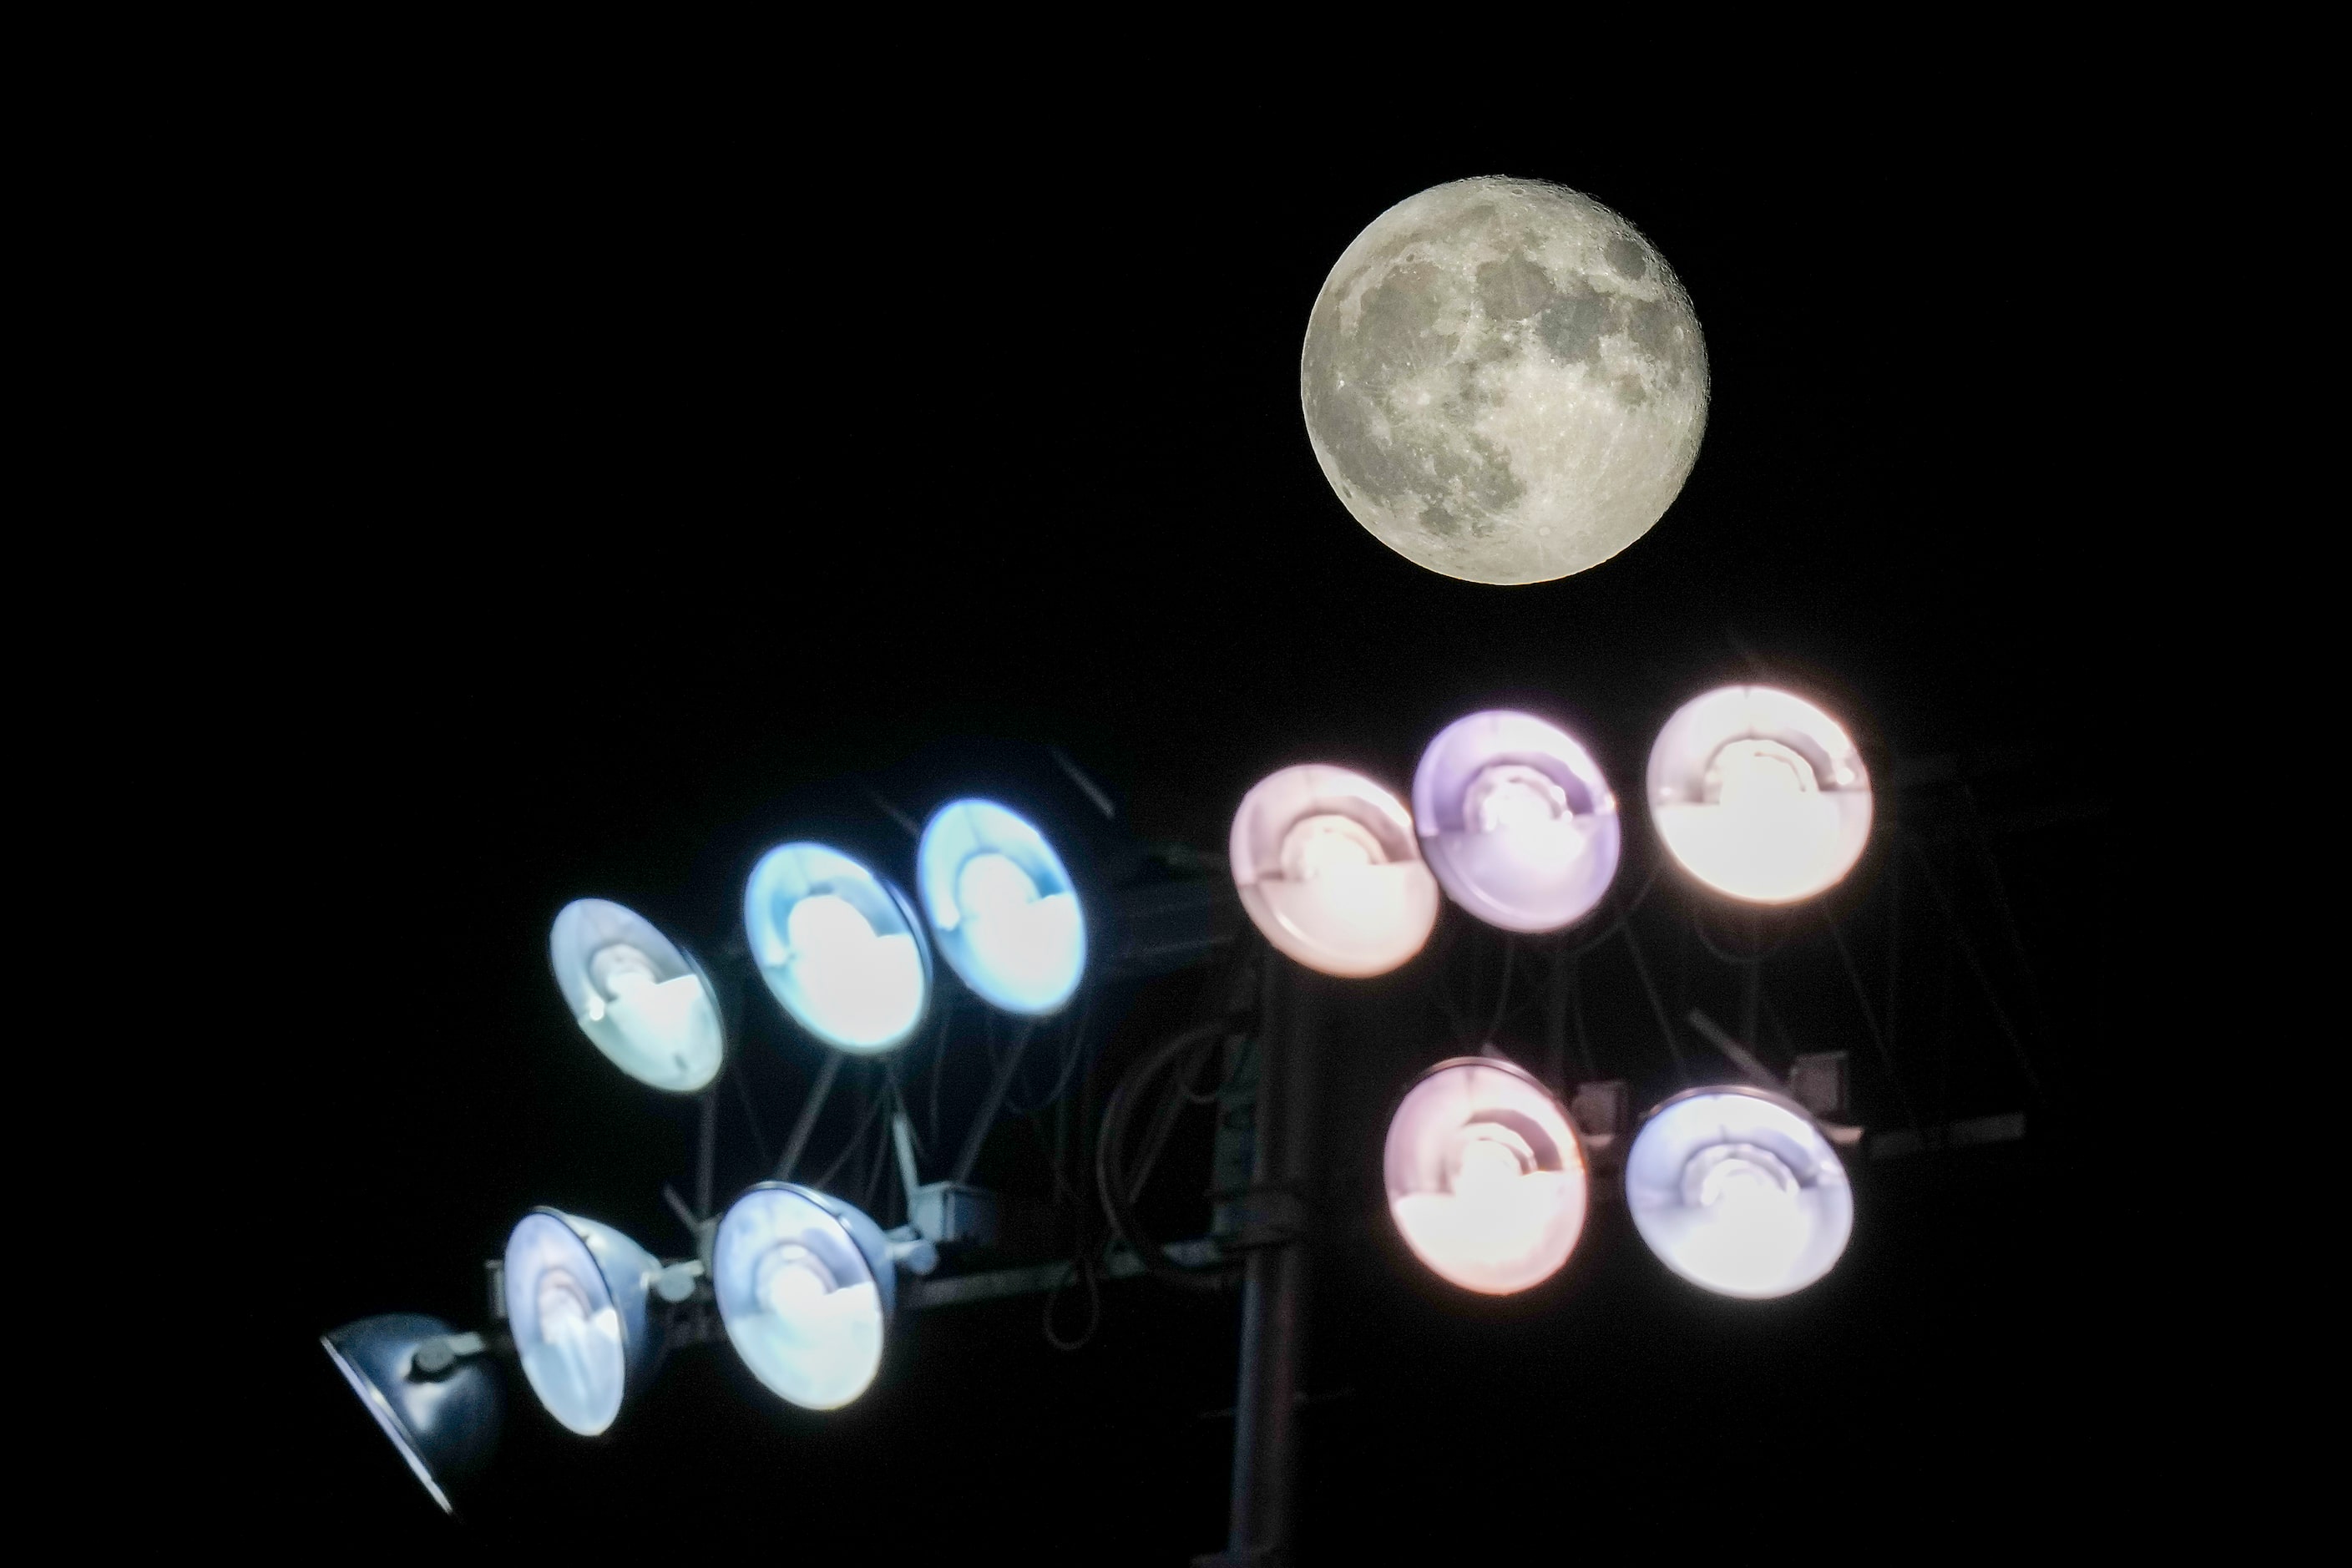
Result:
pixel 1759 794
pixel 1739 1191
pixel 1002 907
pixel 1515 821
pixel 443 1418
pixel 1327 866
pixel 1486 1178
pixel 841 949
pixel 637 996
pixel 805 1287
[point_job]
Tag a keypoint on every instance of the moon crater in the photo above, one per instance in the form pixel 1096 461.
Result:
pixel 1503 382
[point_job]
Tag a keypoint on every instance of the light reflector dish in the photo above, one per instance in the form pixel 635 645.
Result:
pixel 641 998
pixel 1759 794
pixel 1737 1189
pixel 805 1287
pixel 445 1427
pixel 1485 1175
pixel 1327 866
pixel 1002 907
pixel 576 1303
pixel 1515 820
pixel 840 947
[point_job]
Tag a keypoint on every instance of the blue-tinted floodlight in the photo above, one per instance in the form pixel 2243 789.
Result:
pixel 640 997
pixel 445 1425
pixel 576 1302
pixel 805 1287
pixel 1002 907
pixel 841 949
pixel 1759 794
pixel 1327 866
pixel 1737 1189
pixel 1485 1175
pixel 1515 820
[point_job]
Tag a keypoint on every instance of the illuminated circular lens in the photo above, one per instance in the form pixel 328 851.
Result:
pixel 1486 1176
pixel 575 1295
pixel 805 1288
pixel 636 995
pixel 1002 907
pixel 1759 794
pixel 1515 820
pixel 839 947
pixel 1738 1191
pixel 1327 867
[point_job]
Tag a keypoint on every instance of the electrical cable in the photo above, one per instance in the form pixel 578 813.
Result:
pixel 1110 1161
pixel 1674 1048
pixel 857 1140
pixel 1503 993
pixel 1738 961
pixel 1870 1022
pixel 1081 1265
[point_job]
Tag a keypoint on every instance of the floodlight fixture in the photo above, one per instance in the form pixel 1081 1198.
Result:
pixel 841 949
pixel 639 996
pixel 1738 1191
pixel 1002 907
pixel 1327 866
pixel 1759 794
pixel 1515 820
pixel 1486 1176
pixel 441 1411
pixel 577 1303
pixel 805 1287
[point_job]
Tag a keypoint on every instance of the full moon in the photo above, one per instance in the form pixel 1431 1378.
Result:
pixel 1503 381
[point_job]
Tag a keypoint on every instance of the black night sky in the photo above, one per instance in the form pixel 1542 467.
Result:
pixel 676 502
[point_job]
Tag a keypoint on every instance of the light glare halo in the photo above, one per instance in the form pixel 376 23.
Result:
pixel 1739 1191
pixel 639 997
pixel 1517 821
pixel 1327 866
pixel 1485 1175
pixel 1759 794
pixel 841 949
pixel 805 1288
pixel 1002 907
pixel 575 1296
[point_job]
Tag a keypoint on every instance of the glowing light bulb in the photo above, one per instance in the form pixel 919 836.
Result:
pixel 805 1288
pixel 1002 907
pixel 839 948
pixel 992 887
pixel 1737 1189
pixel 636 995
pixel 1326 867
pixel 1485 1175
pixel 1515 821
pixel 576 1293
pixel 1759 794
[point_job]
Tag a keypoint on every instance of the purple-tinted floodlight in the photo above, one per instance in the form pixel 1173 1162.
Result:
pixel 1515 820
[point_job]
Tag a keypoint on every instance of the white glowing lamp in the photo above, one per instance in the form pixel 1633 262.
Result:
pixel 1002 907
pixel 1759 794
pixel 805 1288
pixel 1328 867
pixel 1485 1175
pixel 1517 821
pixel 576 1302
pixel 1737 1189
pixel 637 996
pixel 841 949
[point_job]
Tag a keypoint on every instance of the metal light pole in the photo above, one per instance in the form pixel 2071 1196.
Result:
pixel 1275 1286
